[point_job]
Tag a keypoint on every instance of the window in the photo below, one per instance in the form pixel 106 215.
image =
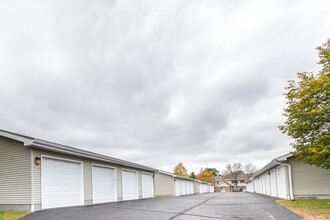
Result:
pixel 234 181
pixel 242 181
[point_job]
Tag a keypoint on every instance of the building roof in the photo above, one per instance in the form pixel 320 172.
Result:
pixel 224 183
pixel 181 177
pixel 275 162
pixel 65 149
pixel 242 176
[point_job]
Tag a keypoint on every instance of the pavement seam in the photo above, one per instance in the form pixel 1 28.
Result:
pixel 147 210
pixel 184 211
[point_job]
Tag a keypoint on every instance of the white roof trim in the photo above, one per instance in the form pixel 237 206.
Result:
pixel 166 173
pixel 42 144
pixel 25 140
pixel 181 177
pixel 271 165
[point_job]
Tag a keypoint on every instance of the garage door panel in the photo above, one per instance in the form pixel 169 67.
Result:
pixel 130 185
pixel 177 187
pixel 61 183
pixel 281 183
pixel 147 185
pixel 104 187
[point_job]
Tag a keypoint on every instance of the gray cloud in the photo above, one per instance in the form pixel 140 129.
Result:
pixel 157 82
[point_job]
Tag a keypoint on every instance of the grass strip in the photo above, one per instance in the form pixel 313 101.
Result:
pixel 309 209
pixel 12 215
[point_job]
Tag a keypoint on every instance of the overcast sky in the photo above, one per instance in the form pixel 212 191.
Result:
pixel 157 82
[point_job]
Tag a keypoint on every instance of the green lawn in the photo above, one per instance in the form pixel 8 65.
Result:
pixel 164 196
pixel 12 215
pixel 309 208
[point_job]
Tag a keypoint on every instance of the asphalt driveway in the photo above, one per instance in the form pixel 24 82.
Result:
pixel 206 206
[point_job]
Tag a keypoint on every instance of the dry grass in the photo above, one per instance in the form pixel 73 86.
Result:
pixel 309 209
pixel 12 215
pixel 164 196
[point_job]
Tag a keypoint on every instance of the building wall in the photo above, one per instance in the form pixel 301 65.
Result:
pixel 196 187
pixel 250 187
pixel 87 173
pixel 274 182
pixel 15 178
pixel 164 185
pixel 309 180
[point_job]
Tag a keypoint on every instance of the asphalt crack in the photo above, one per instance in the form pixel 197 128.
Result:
pixel 177 214
pixel 195 206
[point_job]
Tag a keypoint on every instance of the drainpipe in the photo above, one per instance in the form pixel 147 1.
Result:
pixel 290 178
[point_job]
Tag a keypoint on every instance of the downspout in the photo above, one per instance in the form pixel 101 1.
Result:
pixel 290 177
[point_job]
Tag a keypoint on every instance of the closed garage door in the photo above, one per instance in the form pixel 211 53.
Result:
pixel 273 190
pixel 61 183
pixel 147 185
pixel 281 183
pixel 104 185
pixel 177 187
pixel 183 187
pixel 267 183
pixel 130 185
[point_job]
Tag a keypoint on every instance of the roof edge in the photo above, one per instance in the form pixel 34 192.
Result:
pixel 271 164
pixel 54 147
pixel 17 137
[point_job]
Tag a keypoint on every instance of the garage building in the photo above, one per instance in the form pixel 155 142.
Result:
pixel 287 178
pixel 38 174
pixel 169 184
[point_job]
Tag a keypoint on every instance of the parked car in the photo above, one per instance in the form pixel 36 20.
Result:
pixel 238 189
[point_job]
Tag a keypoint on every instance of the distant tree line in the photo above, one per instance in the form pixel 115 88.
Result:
pixel 208 174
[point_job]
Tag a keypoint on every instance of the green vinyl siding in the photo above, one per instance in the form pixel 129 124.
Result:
pixel 15 170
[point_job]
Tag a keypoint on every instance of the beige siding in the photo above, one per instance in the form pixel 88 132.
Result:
pixel 309 180
pixel 164 185
pixel 196 187
pixel 87 169
pixel 15 170
pixel 119 183
pixel 140 184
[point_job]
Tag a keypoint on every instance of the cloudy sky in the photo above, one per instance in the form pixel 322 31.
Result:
pixel 157 82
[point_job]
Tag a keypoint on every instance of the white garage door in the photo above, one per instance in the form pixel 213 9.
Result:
pixel 147 185
pixel 273 190
pixel 267 181
pixel 177 187
pixel 104 185
pixel 62 183
pixel 183 187
pixel 130 185
pixel 281 183
pixel 188 188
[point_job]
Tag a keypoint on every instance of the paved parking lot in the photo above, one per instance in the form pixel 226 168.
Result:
pixel 206 206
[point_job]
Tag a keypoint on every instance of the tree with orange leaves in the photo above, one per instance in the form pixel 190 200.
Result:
pixel 205 176
pixel 180 170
